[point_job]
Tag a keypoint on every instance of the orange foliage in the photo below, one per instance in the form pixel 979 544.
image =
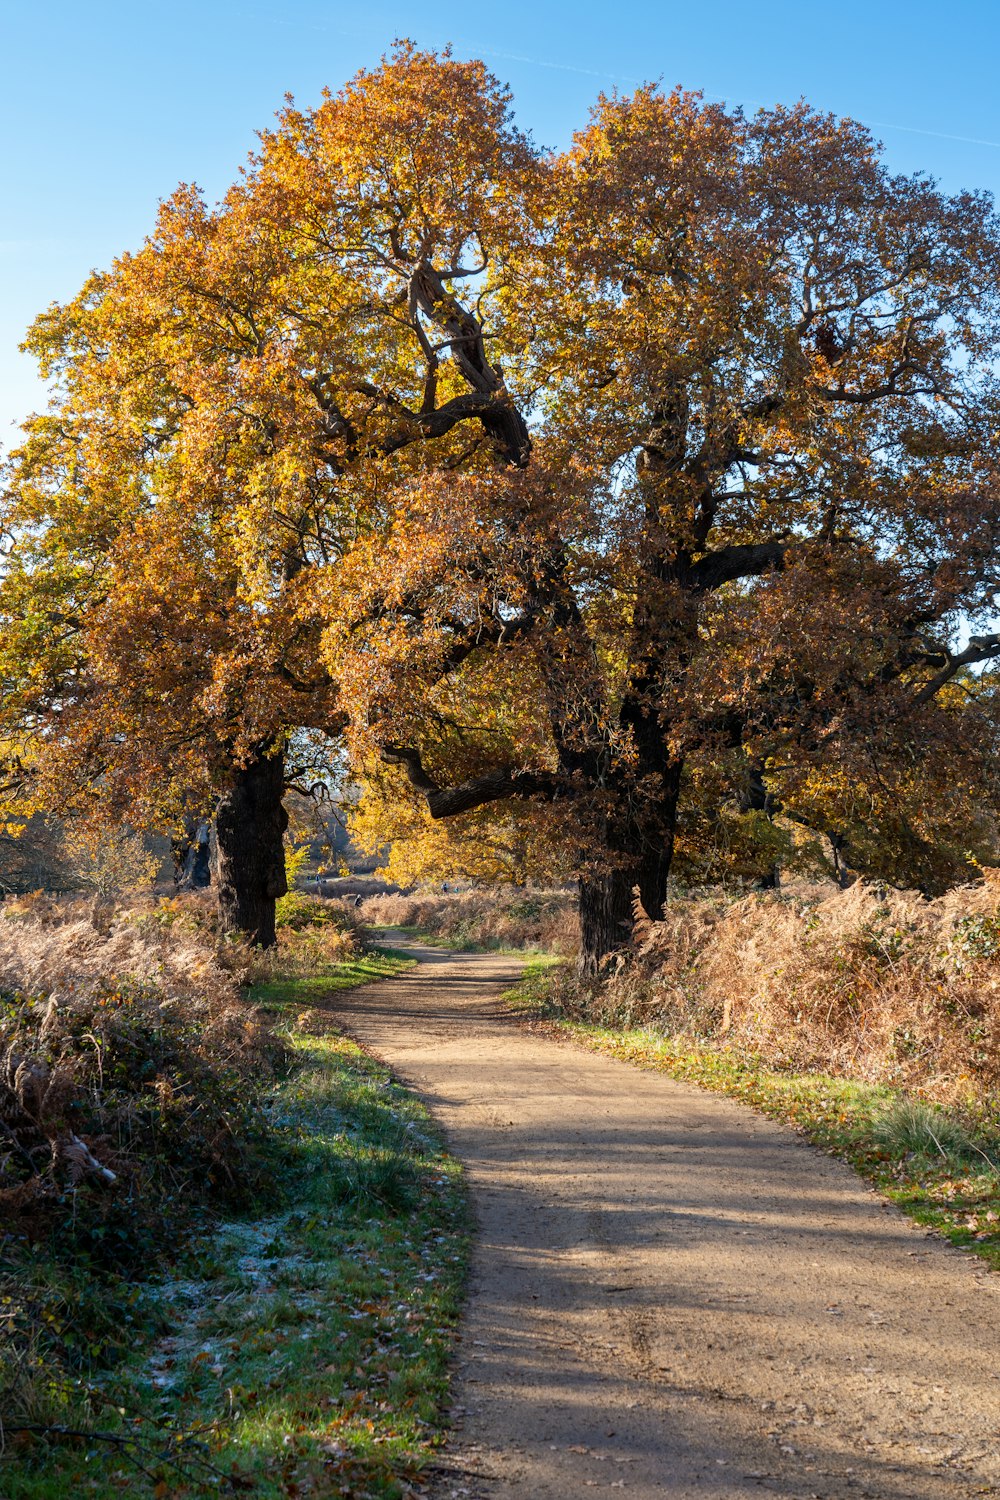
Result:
pixel 550 478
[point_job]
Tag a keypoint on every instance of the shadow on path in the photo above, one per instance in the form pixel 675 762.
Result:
pixel 671 1295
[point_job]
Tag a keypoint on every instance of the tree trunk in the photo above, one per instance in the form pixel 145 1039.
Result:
pixel 639 858
pixel 191 856
pixel 250 822
pixel 652 880
pixel 605 915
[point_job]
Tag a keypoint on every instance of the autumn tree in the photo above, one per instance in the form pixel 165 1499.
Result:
pixel 572 473
pixel 154 655
pixel 218 435
pixel 758 504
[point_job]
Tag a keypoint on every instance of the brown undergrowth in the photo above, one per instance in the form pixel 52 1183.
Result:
pixel 126 1056
pixel 502 917
pixel 134 1078
pixel 128 1052
pixel 872 984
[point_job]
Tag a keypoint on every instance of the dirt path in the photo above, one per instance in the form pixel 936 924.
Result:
pixel 670 1294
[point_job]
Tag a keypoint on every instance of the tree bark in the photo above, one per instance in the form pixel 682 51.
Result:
pixel 639 858
pixel 191 852
pixel 605 915
pixel 250 823
pixel 654 871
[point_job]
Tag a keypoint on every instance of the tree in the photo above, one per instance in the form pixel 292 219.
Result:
pixel 217 435
pixel 588 468
pixel 153 651
pixel 759 499
pixel 141 677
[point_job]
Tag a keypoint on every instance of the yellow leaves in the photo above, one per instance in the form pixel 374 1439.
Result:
pixel 505 844
pixel 107 859
pixel 286 474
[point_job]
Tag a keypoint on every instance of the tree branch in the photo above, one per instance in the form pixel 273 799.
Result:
pixel 501 785
pixel 980 648
pixel 742 560
pixel 501 419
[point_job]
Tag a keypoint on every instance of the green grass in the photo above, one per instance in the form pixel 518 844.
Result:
pixel 286 994
pixel 940 1165
pixel 302 1353
pixel 461 942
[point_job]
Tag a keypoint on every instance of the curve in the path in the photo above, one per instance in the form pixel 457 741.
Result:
pixel 671 1295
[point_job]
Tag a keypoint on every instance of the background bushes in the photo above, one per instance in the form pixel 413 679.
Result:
pixel 869 983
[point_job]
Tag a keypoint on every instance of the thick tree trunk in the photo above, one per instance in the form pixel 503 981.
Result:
pixel 606 904
pixel 652 879
pixel 250 822
pixel 605 915
pixel 639 859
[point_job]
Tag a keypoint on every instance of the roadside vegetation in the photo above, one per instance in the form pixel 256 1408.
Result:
pixel 503 917
pixel 232 1246
pixel 869 1019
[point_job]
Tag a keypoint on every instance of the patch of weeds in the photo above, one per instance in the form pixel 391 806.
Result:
pixel 915 1129
pixel 532 992
pixel 297 909
pixel 940 1165
pixel 305 1352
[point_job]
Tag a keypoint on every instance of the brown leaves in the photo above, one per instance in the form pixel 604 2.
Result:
pixel 571 464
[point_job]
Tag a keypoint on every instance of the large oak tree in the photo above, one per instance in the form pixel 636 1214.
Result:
pixel 758 508
pixel 589 469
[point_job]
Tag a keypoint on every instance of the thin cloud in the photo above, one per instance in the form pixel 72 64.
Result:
pixel 540 62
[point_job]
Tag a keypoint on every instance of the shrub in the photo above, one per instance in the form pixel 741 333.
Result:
pixel 499 918
pixel 129 1071
pixel 132 1077
pixel 298 909
pixel 875 984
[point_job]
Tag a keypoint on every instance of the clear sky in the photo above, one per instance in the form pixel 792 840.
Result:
pixel 107 105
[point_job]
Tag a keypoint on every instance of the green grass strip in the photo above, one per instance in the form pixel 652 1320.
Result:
pixel 289 993
pixel 305 1352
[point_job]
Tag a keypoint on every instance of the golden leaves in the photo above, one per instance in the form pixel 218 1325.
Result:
pixel 542 461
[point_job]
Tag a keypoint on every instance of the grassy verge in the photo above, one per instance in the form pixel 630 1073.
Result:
pixel 285 994
pixel 456 942
pixel 462 942
pixel 940 1165
pixel 299 1353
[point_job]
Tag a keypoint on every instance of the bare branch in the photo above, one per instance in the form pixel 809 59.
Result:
pixel 980 648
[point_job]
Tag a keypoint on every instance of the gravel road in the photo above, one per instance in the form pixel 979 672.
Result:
pixel 670 1295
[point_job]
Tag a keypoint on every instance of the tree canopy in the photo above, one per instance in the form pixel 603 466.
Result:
pixel 592 483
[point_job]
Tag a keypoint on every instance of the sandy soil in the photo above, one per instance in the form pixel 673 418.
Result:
pixel 672 1296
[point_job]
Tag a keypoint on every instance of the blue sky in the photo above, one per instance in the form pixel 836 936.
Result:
pixel 107 105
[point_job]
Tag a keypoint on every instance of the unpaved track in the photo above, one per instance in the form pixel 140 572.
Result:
pixel 672 1296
